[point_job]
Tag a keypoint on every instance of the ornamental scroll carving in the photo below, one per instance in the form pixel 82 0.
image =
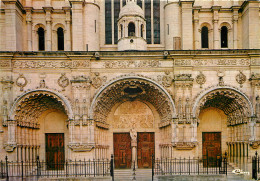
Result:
pixel 132 64
pixel 241 78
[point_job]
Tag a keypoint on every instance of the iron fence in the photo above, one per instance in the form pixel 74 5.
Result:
pixel 189 166
pixel 68 168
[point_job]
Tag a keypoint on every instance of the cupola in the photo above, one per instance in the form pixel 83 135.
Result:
pixel 131 27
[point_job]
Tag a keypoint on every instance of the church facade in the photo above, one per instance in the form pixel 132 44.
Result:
pixel 84 79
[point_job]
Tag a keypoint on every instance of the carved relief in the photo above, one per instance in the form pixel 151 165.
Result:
pixel 132 64
pixel 5 63
pixel 165 80
pixel 201 79
pixel 63 81
pixel 220 75
pixel 97 81
pixel 21 81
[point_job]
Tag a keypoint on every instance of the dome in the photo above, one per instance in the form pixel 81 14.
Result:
pixel 131 9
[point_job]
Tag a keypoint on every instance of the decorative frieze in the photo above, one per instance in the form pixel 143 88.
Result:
pixel 80 147
pixel 132 64
pixel 184 145
pixel 51 64
pixel 212 62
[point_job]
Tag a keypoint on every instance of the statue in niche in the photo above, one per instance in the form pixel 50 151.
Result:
pixel 180 108
pixel 187 109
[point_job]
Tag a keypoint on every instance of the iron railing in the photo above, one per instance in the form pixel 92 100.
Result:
pixel 189 166
pixel 255 166
pixel 68 168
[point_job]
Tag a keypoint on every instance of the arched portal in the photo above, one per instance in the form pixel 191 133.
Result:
pixel 39 125
pixel 225 118
pixel 134 110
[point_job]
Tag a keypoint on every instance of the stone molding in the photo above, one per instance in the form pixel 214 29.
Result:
pixel 81 147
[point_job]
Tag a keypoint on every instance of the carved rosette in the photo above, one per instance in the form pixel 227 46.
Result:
pixel 241 78
pixel 63 81
pixel 201 79
pixel 21 81
pixel 97 81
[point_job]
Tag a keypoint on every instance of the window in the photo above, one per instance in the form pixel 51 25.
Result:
pixel 142 30
pixel 108 22
pixel 60 36
pixel 204 37
pixel 41 39
pixel 148 21
pixel 224 37
pixel 131 29
pixel 156 21
pixel 121 29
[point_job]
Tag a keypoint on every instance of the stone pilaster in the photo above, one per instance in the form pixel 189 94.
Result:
pixel 216 36
pixel 235 29
pixel 67 46
pixel 29 27
pixel 187 28
pixel 48 11
pixel 77 25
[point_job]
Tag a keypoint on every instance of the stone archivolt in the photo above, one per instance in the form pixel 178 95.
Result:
pixel 33 105
pixel 129 90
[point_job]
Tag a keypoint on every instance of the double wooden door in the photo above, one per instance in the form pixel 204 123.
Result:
pixel 55 156
pixel 122 150
pixel 145 149
pixel 211 147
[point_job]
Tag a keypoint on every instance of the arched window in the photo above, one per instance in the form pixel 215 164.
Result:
pixel 131 29
pixel 41 40
pixel 60 36
pixel 224 37
pixel 204 37
pixel 121 29
pixel 142 30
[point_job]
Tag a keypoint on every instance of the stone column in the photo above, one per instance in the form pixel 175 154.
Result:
pixel 48 11
pixel 216 43
pixel 11 142
pixel 133 135
pixel 29 27
pixel 235 20
pixel 252 129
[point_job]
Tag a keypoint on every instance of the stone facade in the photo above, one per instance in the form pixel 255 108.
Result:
pixel 176 90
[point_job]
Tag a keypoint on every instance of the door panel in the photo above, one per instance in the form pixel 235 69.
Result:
pixel 122 150
pixel 211 148
pixel 55 156
pixel 145 149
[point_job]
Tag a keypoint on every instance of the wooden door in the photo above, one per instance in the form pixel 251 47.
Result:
pixel 145 149
pixel 55 156
pixel 211 148
pixel 122 150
